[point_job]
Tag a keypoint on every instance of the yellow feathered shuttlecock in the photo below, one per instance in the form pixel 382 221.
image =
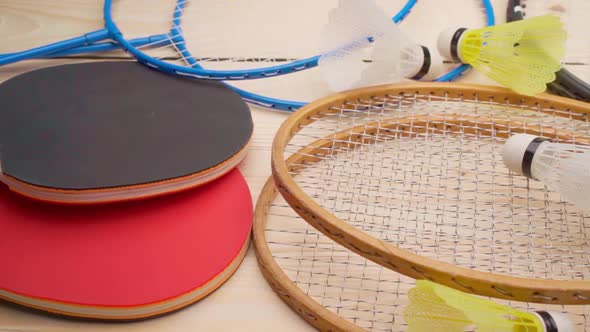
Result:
pixel 522 55
pixel 435 307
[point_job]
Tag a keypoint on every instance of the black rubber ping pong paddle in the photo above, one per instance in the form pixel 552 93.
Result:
pixel 110 131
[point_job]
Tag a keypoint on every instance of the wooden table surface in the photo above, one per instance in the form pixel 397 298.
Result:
pixel 245 302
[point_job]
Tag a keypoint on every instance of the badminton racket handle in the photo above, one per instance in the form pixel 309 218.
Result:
pixel 568 85
pixel 155 41
pixel 86 39
pixel 514 11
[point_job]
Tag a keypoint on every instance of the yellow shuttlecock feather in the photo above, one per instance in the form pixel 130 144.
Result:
pixel 522 55
pixel 434 307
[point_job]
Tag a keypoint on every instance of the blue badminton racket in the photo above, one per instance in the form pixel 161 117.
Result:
pixel 172 49
pixel 170 52
pixel 266 46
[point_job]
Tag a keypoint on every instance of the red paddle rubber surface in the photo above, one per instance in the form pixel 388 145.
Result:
pixel 124 254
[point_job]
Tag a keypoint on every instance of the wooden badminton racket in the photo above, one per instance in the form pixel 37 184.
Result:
pixel 411 177
pixel 335 289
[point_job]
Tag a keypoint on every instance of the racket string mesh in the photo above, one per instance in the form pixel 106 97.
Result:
pixel 350 286
pixel 221 36
pixel 232 37
pixel 425 173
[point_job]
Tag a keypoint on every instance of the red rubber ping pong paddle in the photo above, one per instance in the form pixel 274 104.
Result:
pixel 125 260
pixel 108 131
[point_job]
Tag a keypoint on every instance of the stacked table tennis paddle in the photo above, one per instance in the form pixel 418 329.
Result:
pixel 119 196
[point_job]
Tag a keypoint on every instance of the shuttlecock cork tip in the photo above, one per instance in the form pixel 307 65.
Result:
pixel 423 64
pixel 514 151
pixel 448 43
pixel 555 321
pixel 431 66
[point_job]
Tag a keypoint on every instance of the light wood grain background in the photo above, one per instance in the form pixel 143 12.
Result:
pixel 245 302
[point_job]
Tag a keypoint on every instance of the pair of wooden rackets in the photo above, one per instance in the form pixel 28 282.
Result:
pixel 384 185
pixel 377 187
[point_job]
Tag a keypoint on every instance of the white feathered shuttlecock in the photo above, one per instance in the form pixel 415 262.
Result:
pixel 564 168
pixel 361 46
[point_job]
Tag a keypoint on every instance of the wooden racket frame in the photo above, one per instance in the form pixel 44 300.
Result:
pixel 313 312
pixel 404 261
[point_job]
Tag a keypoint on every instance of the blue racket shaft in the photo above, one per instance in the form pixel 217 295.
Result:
pixel 155 40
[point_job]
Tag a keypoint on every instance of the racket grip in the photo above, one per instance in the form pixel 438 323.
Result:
pixel 155 40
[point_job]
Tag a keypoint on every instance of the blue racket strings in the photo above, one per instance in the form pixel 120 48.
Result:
pixel 251 47
pixel 253 98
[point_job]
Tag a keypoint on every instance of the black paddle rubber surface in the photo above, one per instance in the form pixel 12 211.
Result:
pixel 115 124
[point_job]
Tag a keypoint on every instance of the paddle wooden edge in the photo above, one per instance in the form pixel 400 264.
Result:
pixel 403 261
pixel 310 310
pixel 124 193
